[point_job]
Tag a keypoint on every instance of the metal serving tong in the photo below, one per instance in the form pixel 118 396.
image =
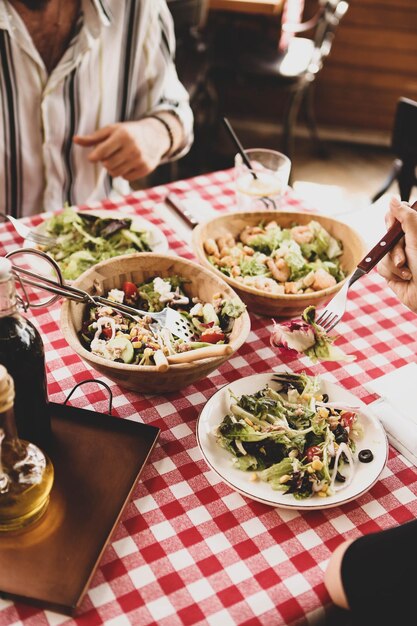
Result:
pixel 167 318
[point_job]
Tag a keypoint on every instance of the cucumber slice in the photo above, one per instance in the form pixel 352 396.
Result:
pixel 210 315
pixel 125 345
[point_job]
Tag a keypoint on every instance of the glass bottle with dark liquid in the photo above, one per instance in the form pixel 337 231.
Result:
pixel 22 353
pixel 26 473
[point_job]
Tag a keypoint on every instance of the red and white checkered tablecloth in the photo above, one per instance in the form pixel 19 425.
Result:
pixel 188 549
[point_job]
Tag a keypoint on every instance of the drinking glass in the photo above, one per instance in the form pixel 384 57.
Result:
pixel 263 185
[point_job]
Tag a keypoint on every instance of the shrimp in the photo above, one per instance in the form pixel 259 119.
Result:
pixel 302 234
pixel 227 261
pixel 322 280
pixel 223 247
pixel 211 247
pixel 249 233
pixel 248 251
pixel 279 270
pixel 263 283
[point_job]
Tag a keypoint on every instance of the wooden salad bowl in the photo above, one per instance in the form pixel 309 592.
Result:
pixel 261 302
pixel 138 268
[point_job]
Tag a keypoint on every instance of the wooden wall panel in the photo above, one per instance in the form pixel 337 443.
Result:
pixel 373 63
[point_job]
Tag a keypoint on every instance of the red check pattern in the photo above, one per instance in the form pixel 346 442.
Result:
pixel 188 549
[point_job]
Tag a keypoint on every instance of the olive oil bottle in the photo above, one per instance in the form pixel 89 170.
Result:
pixel 22 354
pixel 26 473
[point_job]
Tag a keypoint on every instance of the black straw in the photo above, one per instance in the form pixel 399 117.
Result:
pixel 239 146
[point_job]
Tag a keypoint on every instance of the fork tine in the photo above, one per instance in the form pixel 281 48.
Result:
pixel 331 321
pixel 333 324
pixel 41 240
pixel 324 317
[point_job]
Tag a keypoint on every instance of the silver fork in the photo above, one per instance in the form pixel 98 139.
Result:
pixel 336 308
pixel 28 233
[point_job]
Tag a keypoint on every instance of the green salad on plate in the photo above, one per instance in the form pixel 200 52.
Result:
pixel 84 239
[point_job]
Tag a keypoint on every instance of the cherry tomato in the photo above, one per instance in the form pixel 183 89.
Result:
pixel 212 336
pixel 107 332
pixel 347 419
pixel 130 290
pixel 313 451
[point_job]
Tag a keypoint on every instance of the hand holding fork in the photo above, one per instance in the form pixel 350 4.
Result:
pixel 396 274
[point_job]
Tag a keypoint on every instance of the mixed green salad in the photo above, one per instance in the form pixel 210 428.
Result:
pixel 111 335
pixel 294 260
pixel 83 239
pixel 292 437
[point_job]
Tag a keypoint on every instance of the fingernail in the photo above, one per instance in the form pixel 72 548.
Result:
pixel 406 274
pixel 398 260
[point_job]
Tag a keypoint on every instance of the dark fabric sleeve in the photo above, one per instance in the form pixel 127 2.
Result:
pixel 379 575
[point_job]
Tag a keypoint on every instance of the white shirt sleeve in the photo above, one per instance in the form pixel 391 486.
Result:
pixel 159 87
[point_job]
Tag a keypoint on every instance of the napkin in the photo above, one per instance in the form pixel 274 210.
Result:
pixel 396 408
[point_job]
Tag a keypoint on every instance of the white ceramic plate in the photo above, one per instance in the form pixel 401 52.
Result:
pixel 157 240
pixel 220 460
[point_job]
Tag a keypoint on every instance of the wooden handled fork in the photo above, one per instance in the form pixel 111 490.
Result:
pixel 336 308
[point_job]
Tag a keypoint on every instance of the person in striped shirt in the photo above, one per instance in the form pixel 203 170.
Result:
pixel 90 100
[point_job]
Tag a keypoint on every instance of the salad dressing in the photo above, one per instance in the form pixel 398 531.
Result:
pixel 26 473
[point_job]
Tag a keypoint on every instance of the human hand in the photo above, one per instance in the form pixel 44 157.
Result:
pixel 399 267
pixel 128 149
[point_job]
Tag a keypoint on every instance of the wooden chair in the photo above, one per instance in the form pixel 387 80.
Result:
pixel 404 147
pixel 293 69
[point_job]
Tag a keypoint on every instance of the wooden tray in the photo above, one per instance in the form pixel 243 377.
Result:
pixel 98 460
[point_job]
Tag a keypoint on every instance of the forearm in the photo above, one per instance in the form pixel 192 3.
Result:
pixel 374 576
pixel 159 90
pixel 333 576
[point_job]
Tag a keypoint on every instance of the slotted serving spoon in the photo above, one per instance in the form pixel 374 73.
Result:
pixel 167 318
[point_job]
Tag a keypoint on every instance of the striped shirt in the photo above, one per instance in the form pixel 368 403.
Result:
pixel 118 67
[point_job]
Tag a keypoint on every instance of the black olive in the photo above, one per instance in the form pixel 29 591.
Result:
pixel 365 456
pixel 325 398
pixel 341 434
pixel 340 478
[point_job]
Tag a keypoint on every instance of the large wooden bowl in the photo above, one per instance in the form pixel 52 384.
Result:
pixel 288 305
pixel 138 268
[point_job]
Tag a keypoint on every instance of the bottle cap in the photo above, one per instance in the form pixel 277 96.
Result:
pixel 5 268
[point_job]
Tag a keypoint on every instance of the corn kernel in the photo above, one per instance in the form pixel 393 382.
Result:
pixel 310 469
pixel 253 477
pixel 323 412
pixel 317 464
pixel 284 479
pixel 322 494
